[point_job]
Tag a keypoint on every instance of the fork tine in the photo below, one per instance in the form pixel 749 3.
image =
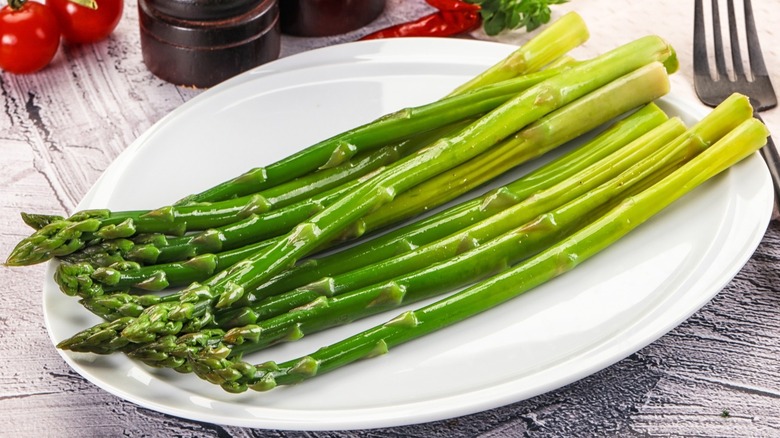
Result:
pixel 700 64
pixel 712 91
pixel 754 47
pixel 713 87
pixel 767 98
pixel 736 54
pixel 720 59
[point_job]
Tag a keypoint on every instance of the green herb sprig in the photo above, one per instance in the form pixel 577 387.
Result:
pixel 500 15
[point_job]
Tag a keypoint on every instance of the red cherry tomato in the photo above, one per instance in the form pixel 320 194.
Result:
pixel 80 24
pixel 29 37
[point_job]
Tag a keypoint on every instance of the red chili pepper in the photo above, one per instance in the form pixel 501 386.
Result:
pixel 454 17
pixel 453 5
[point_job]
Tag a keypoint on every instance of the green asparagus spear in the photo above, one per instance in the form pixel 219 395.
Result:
pixel 467 213
pixel 556 260
pixel 550 44
pixel 467 238
pixel 162 249
pixel 284 214
pixel 63 237
pixel 539 100
pixel 491 256
pixel 38 221
pixel 158 248
pixel 570 28
pixel 548 133
pixel 338 303
pixel 419 233
pixel 199 301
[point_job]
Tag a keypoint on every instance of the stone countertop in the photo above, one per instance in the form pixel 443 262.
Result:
pixel 717 374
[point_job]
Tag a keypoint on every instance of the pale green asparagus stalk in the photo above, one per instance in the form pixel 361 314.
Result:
pixel 478 233
pixel 556 260
pixel 555 129
pixel 460 216
pixel 197 305
pixel 404 239
pixel 549 45
pixel 570 30
pixel 454 261
pixel 61 237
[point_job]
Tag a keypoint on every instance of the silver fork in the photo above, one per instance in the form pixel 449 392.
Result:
pixel 713 90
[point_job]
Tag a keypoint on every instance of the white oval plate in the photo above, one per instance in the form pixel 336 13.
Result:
pixel 608 308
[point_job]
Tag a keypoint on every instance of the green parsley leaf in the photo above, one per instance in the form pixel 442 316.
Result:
pixel 500 15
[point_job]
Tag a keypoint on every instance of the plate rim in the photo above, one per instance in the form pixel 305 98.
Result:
pixel 304 60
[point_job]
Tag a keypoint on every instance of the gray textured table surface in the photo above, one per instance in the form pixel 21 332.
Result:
pixel 717 374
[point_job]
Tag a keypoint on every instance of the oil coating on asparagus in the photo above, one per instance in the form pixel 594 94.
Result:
pixel 445 264
pixel 558 259
pixel 197 304
pixel 217 206
pixel 116 305
pixel 548 133
pixel 466 256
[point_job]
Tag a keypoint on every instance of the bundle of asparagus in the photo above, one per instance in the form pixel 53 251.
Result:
pixel 651 79
pixel 243 248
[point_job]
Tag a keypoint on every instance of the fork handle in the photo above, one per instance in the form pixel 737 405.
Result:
pixel 772 159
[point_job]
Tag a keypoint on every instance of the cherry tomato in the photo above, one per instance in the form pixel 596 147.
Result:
pixel 29 37
pixel 81 24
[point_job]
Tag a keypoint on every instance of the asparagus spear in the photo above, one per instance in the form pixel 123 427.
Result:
pixel 62 237
pixel 491 256
pixel 550 44
pixel 232 285
pixel 318 310
pixel 570 28
pixel 158 248
pixel 467 213
pixel 556 260
pixel 283 194
pixel 117 305
pixel 198 302
pixel 161 249
pixel 548 133
pixel 38 221
pixel 464 239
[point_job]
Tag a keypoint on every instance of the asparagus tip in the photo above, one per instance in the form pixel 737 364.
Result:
pixel 75 279
pixel 100 339
pixel 57 238
pixel 38 221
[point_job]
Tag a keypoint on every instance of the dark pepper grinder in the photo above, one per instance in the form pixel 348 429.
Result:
pixel 316 18
pixel 200 43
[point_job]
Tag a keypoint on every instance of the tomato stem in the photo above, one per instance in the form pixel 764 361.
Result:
pixel 16 4
pixel 91 4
